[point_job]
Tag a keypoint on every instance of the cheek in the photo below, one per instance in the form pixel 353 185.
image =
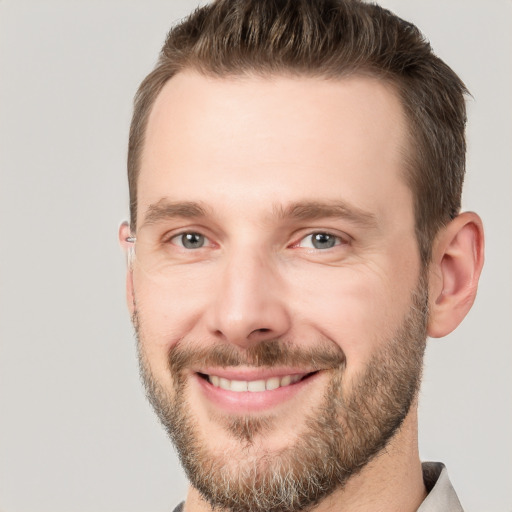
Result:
pixel 357 308
pixel 167 311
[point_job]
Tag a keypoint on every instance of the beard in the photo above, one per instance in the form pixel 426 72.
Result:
pixel 340 436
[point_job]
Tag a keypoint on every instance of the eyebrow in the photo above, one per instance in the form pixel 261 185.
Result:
pixel 314 210
pixel 165 209
pixel 300 211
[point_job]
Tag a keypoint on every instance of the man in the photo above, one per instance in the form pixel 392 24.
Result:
pixel 295 174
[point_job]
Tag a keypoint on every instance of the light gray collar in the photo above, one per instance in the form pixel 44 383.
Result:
pixel 441 494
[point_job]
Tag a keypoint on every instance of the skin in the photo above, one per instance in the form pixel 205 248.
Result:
pixel 245 149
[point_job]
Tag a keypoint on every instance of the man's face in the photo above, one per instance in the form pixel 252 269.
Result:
pixel 276 285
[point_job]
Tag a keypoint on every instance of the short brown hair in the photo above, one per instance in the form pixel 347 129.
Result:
pixel 328 38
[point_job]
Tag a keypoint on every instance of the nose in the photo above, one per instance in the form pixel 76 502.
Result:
pixel 249 303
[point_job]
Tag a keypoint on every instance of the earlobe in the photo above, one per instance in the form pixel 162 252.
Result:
pixel 123 234
pixel 457 260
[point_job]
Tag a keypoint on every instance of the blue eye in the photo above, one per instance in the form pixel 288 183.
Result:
pixel 320 240
pixel 190 240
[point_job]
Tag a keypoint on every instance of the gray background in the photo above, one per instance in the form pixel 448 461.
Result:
pixel 75 431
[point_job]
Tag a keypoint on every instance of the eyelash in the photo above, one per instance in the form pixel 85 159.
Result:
pixel 179 236
pixel 338 240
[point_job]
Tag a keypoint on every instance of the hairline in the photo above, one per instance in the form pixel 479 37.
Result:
pixel 407 152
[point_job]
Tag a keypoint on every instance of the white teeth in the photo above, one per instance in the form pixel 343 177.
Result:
pixel 239 385
pixel 224 383
pixel 254 386
pixel 286 380
pixel 272 383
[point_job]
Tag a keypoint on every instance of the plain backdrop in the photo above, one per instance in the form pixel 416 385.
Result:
pixel 76 433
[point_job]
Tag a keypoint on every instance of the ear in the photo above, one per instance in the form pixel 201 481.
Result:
pixel 123 235
pixel 457 260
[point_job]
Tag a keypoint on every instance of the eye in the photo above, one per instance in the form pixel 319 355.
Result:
pixel 190 240
pixel 320 240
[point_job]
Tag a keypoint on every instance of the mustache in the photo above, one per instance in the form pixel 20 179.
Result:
pixel 267 353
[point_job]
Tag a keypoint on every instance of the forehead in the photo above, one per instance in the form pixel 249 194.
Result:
pixel 273 139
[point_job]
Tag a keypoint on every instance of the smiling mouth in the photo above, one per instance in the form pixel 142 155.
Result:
pixel 255 386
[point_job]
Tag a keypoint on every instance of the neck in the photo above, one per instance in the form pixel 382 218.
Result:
pixel 392 481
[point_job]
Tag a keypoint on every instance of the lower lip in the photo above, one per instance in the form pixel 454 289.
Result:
pixel 249 401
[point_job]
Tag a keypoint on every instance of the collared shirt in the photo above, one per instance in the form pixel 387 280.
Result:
pixel 441 495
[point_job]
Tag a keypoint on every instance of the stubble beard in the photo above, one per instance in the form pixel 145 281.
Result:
pixel 338 439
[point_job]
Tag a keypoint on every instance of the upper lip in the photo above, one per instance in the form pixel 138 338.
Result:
pixel 251 374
